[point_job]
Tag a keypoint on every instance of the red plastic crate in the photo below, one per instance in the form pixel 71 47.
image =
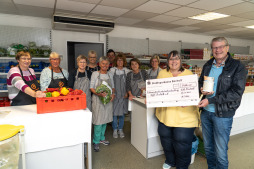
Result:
pixel 61 103
pixel 4 102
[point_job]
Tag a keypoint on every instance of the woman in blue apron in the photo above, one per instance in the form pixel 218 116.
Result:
pixel 154 71
pixel 80 79
pixel 23 88
pixel 120 104
pixel 54 76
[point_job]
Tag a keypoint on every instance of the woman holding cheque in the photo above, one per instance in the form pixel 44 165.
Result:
pixel 176 124
pixel 102 87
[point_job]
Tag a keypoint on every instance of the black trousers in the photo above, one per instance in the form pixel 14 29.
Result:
pixel 177 144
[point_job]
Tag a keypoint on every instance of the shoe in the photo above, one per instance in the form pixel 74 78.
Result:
pixel 121 134
pixel 115 135
pixel 105 142
pixel 166 166
pixel 96 147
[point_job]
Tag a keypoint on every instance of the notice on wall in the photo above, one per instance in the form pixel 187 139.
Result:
pixel 174 91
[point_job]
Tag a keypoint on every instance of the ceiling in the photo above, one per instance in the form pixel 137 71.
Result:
pixel 167 15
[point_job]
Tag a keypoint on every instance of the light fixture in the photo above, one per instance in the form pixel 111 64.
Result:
pixel 209 16
pixel 251 26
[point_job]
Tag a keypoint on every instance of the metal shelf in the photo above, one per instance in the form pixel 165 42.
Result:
pixel 3 91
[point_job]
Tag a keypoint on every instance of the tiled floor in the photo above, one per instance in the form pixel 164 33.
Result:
pixel 120 154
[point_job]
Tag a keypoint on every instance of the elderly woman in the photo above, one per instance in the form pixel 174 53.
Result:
pixel 92 57
pixel 121 99
pixel 154 71
pixel 80 79
pixel 135 78
pixel 176 124
pixel 102 114
pixel 53 76
pixel 21 81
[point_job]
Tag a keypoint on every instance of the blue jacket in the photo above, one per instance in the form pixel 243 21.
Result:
pixel 230 87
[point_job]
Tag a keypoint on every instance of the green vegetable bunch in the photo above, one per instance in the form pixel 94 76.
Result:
pixel 103 88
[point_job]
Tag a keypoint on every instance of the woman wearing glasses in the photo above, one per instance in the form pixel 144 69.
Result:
pixel 80 79
pixel 53 76
pixel 21 82
pixel 92 57
pixel 176 124
pixel 154 71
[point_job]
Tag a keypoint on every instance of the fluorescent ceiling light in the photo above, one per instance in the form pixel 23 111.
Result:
pixel 251 26
pixel 209 16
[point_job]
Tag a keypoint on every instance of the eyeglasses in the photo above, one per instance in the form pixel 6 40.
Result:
pixel 26 59
pixel 176 58
pixel 82 62
pixel 92 57
pixel 219 47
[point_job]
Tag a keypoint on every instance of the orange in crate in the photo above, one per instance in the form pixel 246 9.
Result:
pixel 61 103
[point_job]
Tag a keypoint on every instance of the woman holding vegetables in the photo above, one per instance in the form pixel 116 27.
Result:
pixel 53 76
pixel 102 112
pixel 21 81
pixel 80 79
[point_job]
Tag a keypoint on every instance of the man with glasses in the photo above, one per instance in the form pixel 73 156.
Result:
pixel 218 107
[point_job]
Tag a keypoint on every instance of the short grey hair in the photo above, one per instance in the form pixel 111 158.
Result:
pixel 103 58
pixel 219 39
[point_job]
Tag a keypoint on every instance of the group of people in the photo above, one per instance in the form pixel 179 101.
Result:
pixel 176 124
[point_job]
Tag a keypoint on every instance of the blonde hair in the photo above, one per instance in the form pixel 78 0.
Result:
pixel 92 52
pixel 54 55
pixel 155 57
pixel 80 57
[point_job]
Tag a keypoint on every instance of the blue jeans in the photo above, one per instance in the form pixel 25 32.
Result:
pixel 121 122
pixel 177 144
pixel 216 132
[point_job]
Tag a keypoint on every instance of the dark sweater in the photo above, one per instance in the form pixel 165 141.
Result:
pixel 72 76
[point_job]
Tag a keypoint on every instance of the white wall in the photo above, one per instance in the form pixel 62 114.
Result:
pixel 139 33
pixel 60 38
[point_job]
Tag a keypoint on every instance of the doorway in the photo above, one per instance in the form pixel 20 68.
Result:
pixel 74 49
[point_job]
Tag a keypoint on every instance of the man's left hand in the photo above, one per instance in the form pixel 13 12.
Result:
pixel 203 103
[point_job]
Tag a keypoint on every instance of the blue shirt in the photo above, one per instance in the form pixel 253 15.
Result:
pixel 214 72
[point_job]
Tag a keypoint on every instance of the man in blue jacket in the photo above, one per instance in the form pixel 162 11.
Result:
pixel 219 106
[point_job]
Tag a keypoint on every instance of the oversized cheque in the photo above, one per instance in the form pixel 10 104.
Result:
pixel 174 91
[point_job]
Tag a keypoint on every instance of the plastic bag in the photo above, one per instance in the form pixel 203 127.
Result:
pixel 104 87
pixel 9 153
pixel 195 142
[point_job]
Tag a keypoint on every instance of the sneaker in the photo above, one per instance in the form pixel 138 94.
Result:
pixel 120 132
pixel 166 166
pixel 96 147
pixel 105 142
pixel 115 135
